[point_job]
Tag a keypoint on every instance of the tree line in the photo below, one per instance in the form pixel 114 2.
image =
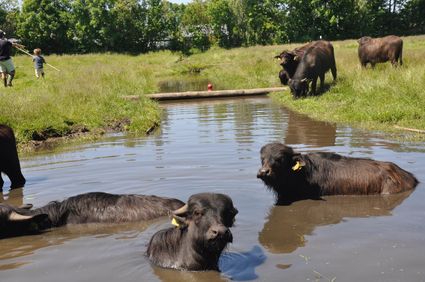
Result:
pixel 138 26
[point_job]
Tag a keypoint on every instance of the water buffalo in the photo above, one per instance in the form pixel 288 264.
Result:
pixel 294 176
pixel 95 207
pixel 317 60
pixel 380 50
pixel 9 161
pixel 289 62
pixel 201 233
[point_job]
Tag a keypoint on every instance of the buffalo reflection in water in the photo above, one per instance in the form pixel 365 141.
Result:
pixel 286 226
pixel 304 130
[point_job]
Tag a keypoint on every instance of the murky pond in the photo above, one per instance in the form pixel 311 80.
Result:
pixel 214 146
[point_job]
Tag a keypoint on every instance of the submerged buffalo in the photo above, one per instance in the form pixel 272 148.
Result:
pixel 294 176
pixel 289 62
pixel 95 207
pixel 380 50
pixel 201 233
pixel 317 60
pixel 9 161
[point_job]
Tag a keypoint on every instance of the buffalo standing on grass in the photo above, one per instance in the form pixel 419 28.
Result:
pixel 9 161
pixel 317 60
pixel 95 207
pixel 201 233
pixel 380 50
pixel 294 176
pixel 289 62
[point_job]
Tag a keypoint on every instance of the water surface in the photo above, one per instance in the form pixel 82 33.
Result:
pixel 213 146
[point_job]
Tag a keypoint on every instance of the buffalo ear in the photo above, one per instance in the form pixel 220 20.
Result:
pixel 297 162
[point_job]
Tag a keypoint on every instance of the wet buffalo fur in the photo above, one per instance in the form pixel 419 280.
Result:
pixel 202 234
pixel 9 161
pixel 325 173
pixel 317 60
pixel 380 50
pixel 95 207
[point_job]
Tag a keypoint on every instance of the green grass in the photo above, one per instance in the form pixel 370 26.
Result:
pixel 88 91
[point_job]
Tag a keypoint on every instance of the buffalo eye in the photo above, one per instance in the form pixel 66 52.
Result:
pixel 197 213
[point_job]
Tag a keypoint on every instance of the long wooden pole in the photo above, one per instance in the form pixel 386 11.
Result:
pixel 26 52
pixel 208 94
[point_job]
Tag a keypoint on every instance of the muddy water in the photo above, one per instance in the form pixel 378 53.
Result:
pixel 213 146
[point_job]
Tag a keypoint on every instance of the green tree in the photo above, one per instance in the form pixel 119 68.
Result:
pixel 91 25
pixel 265 22
pixel 413 15
pixel 196 25
pixel 9 13
pixel 44 24
pixel 223 23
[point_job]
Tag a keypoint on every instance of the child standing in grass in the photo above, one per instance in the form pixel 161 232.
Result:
pixel 38 63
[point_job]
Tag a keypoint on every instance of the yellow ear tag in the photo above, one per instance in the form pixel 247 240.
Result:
pixel 174 222
pixel 297 166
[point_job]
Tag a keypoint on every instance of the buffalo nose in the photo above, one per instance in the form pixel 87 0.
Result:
pixel 219 231
pixel 263 172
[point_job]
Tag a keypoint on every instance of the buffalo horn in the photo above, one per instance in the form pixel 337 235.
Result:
pixel 181 210
pixel 17 217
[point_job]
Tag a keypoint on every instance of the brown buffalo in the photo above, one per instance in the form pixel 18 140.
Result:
pixel 201 233
pixel 95 207
pixel 380 50
pixel 317 60
pixel 9 161
pixel 295 176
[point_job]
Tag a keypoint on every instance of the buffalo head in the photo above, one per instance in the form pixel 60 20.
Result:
pixel 299 87
pixel 21 221
pixel 201 234
pixel 207 217
pixel 277 161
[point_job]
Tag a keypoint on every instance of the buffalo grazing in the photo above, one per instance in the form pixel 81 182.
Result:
pixel 294 176
pixel 380 50
pixel 317 60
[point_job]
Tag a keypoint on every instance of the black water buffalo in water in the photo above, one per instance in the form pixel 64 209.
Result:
pixel 317 60
pixel 9 161
pixel 294 176
pixel 289 62
pixel 380 50
pixel 201 233
pixel 95 207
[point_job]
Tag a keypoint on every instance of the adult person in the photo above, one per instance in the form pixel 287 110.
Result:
pixel 7 69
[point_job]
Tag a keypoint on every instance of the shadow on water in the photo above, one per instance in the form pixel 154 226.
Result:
pixel 287 226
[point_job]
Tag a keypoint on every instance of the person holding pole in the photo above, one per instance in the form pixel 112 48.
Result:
pixel 38 63
pixel 7 69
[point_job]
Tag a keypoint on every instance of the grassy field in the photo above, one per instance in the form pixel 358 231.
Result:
pixel 87 92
